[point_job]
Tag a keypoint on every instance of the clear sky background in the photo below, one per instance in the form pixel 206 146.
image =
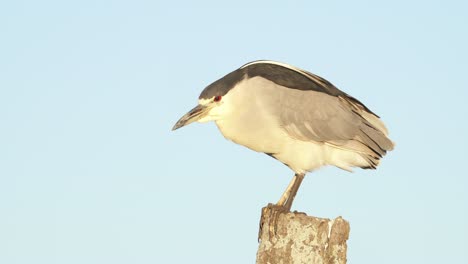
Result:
pixel 90 171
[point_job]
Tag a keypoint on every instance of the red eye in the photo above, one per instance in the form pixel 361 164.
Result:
pixel 217 98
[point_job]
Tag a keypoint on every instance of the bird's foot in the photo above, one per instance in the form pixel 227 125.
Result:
pixel 270 215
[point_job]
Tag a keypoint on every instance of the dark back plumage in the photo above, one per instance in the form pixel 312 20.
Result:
pixel 279 73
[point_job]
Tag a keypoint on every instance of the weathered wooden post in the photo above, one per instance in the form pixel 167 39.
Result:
pixel 299 239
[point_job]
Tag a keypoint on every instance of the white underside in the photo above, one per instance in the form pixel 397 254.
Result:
pixel 300 156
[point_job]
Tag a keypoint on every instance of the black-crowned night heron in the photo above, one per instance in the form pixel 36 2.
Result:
pixel 294 116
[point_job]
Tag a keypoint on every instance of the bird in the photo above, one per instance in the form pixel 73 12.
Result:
pixel 294 116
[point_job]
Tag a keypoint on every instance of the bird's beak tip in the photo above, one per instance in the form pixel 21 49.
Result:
pixel 182 122
pixel 192 116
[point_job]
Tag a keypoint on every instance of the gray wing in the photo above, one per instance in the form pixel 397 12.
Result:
pixel 341 121
pixel 317 116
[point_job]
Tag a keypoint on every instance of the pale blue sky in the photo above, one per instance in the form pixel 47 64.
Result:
pixel 90 171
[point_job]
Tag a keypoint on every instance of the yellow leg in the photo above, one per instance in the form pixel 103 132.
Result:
pixel 287 192
pixel 272 211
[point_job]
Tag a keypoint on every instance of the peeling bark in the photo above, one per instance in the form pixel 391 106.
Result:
pixel 299 238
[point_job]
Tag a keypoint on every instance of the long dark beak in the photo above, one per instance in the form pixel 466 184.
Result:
pixel 193 115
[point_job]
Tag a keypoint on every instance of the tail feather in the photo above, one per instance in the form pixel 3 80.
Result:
pixel 374 136
pixel 372 141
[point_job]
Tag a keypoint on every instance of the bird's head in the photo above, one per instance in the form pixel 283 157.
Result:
pixel 210 109
pixel 214 100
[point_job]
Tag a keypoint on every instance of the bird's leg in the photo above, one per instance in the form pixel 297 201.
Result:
pixel 287 192
pixel 292 193
pixel 282 206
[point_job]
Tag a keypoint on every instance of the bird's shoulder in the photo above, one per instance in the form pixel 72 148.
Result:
pixel 291 77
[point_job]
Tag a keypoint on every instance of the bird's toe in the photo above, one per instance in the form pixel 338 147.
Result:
pixel 269 219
